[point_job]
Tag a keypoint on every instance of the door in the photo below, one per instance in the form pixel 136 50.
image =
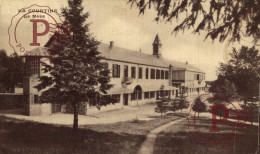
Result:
pixel 125 97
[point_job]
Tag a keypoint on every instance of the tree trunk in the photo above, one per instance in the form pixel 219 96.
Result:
pixel 75 122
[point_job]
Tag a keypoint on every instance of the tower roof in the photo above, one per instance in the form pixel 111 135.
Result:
pixel 157 40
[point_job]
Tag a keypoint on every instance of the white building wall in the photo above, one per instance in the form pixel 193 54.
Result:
pixel 143 83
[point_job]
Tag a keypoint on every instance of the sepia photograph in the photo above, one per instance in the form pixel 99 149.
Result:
pixel 129 76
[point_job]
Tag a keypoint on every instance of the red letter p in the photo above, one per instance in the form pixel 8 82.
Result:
pixel 35 34
pixel 214 120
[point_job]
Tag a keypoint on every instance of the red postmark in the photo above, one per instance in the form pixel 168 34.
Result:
pixel 32 27
pixel 221 125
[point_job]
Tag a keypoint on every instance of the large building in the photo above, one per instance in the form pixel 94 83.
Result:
pixel 137 77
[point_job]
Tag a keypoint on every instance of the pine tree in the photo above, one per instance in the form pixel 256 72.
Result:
pixel 162 102
pixel 77 74
pixel 182 99
pixel 199 106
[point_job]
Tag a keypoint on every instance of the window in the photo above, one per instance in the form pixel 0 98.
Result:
pixel 166 75
pixel 116 70
pixel 147 73
pixel 162 74
pixel 173 92
pixel 116 98
pixel 146 95
pixel 157 94
pixel 125 71
pixel 139 95
pixel 140 73
pixel 168 93
pixel 198 76
pixel 158 74
pixel 107 99
pixel 34 66
pixel 133 72
pixel 177 93
pixel 152 74
pixel 152 94
pixel 133 96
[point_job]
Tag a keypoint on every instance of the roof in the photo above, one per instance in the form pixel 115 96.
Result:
pixel 38 51
pixel 126 55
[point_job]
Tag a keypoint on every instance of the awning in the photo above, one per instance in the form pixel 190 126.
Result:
pixel 156 87
pixel 120 90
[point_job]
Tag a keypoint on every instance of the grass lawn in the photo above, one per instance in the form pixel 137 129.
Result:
pixel 18 136
pixel 178 139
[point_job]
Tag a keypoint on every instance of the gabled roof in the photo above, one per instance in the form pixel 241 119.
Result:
pixel 126 55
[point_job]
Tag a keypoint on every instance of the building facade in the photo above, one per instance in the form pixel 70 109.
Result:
pixel 137 77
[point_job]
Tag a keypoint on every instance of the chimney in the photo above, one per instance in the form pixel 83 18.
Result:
pixel 111 44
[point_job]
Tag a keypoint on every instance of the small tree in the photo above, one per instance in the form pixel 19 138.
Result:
pixel 182 99
pixel 183 104
pixel 199 106
pixel 174 105
pixel 162 102
pixel 161 107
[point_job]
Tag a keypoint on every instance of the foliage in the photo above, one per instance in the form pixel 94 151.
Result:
pixel 182 99
pixel 183 103
pixel 162 103
pixel 219 18
pixel 244 71
pixel 219 102
pixel 199 106
pixel 161 107
pixel 77 74
pixel 11 71
pixel 223 88
pixel 175 105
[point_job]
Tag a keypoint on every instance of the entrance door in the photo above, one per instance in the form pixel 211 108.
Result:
pixel 125 97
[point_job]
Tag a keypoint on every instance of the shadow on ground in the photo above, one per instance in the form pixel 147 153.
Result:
pixel 178 139
pixel 28 137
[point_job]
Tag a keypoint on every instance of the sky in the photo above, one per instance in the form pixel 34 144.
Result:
pixel 114 20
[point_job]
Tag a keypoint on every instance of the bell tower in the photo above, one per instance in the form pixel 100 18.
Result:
pixel 157 45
